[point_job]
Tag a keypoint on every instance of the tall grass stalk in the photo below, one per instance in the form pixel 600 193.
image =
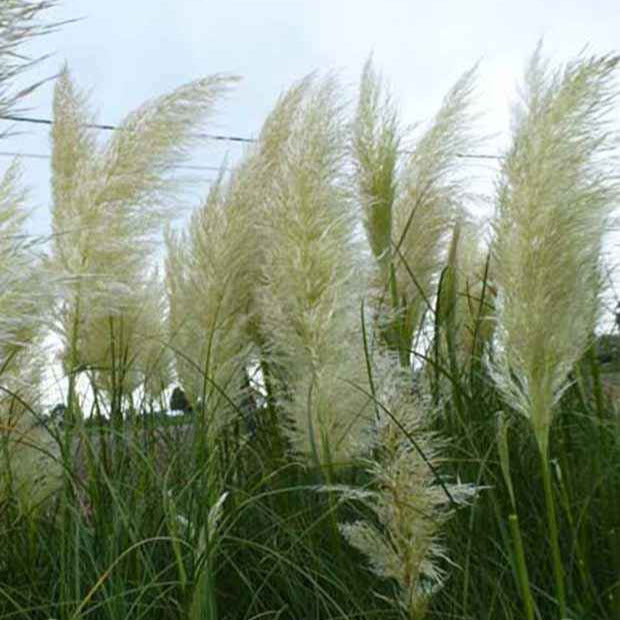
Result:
pixel 376 143
pixel 28 450
pixel 554 200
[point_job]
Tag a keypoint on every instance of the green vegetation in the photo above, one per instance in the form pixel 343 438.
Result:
pixel 381 417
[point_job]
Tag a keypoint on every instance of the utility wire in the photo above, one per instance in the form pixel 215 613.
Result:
pixel 30 155
pixel 47 156
pixel 207 136
pixel 107 127
pixel 210 168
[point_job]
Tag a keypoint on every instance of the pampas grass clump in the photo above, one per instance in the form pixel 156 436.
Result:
pixel 287 389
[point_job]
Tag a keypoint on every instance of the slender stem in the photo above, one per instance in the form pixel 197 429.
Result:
pixel 558 571
pixel 70 419
pixel 522 577
pixel 522 574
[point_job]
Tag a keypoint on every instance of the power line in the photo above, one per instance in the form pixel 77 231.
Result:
pixel 207 136
pixel 479 156
pixel 47 156
pixel 215 168
pixel 463 155
pixel 108 127
pixel 30 155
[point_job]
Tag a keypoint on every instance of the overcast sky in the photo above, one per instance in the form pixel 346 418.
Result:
pixel 126 51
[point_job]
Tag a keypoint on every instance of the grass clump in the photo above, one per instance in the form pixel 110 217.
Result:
pixel 340 344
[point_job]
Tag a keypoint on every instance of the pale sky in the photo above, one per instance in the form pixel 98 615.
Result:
pixel 126 51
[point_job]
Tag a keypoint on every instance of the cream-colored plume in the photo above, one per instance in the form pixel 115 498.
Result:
pixel 210 268
pixel 30 468
pixel 555 195
pixel 376 141
pixel 408 208
pixel 312 284
pixel 433 193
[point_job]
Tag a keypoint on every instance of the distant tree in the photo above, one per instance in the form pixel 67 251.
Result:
pixel 179 401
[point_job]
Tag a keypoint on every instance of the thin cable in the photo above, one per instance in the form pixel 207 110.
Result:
pixel 30 155
pixel 461 155
pixel 107 127
pixel 46 156
pixel 207 136
pixel 478 156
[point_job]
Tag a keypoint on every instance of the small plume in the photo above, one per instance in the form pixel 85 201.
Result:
pixel 409 502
